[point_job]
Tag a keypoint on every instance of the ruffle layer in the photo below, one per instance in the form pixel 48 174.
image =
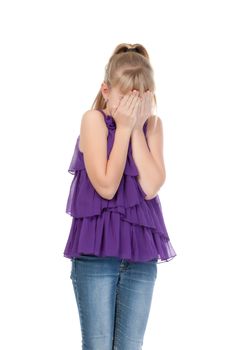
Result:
pixel 109 236
pixel 127 226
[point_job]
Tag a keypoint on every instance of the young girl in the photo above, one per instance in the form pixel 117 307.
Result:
pixel 118 234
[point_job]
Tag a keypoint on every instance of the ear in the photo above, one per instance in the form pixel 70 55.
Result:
pixel 105 90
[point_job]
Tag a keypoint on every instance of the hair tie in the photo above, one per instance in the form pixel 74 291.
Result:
pixel 132 49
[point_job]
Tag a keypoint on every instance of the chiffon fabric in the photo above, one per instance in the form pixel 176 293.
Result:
pixel 127 226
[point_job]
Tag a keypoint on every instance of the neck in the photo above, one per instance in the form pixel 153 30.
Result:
pixel 106 110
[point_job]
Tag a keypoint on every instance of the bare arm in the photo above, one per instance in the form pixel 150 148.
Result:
pixel 149 161
pixel 105 175
pixel 117 159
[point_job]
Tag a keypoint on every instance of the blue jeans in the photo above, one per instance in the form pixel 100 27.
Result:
pixel 113 298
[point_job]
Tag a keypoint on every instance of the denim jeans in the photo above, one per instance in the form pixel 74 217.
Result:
pixel 113 298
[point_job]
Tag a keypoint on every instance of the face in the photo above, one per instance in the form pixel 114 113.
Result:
pixel 112 96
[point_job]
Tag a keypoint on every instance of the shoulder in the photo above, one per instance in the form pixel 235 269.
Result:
pixel 92 126
pixel 92 115
pixel 93 118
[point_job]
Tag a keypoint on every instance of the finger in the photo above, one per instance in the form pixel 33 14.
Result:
pixel 140 105
pixel 135 101
pixel 147 103
pixel 124 99
pixel 127 98
pixel 121 102
pixel 143 104
pixel 132 96
pixel 115 110
pixel 150 102
pixel 136 108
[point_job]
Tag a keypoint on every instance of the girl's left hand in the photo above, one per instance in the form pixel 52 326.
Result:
pixel 144 110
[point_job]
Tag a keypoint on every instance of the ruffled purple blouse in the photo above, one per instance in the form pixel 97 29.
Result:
pixel 127 226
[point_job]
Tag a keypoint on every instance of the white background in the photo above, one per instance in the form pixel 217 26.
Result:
pixel 53 55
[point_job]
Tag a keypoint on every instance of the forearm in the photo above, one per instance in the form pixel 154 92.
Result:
pixel 117 159
pixel 150 176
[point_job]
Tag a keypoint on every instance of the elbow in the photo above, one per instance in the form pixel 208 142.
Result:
pixel 160 184
pixel 153 193
pixel 162 180
pixel 101 184
pixel 106 189
pixel 105 192
pixel 108 195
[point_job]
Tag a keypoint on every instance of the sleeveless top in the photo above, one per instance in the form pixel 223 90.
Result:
pixel 127 226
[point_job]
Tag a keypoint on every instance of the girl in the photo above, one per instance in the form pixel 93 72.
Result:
pixel 118 234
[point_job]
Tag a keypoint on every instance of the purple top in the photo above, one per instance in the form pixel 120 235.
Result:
pixel 127 226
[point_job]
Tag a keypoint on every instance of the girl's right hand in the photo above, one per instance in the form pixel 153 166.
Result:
pixel 126 113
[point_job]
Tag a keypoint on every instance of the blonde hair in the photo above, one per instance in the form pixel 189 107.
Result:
pixel 128 70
